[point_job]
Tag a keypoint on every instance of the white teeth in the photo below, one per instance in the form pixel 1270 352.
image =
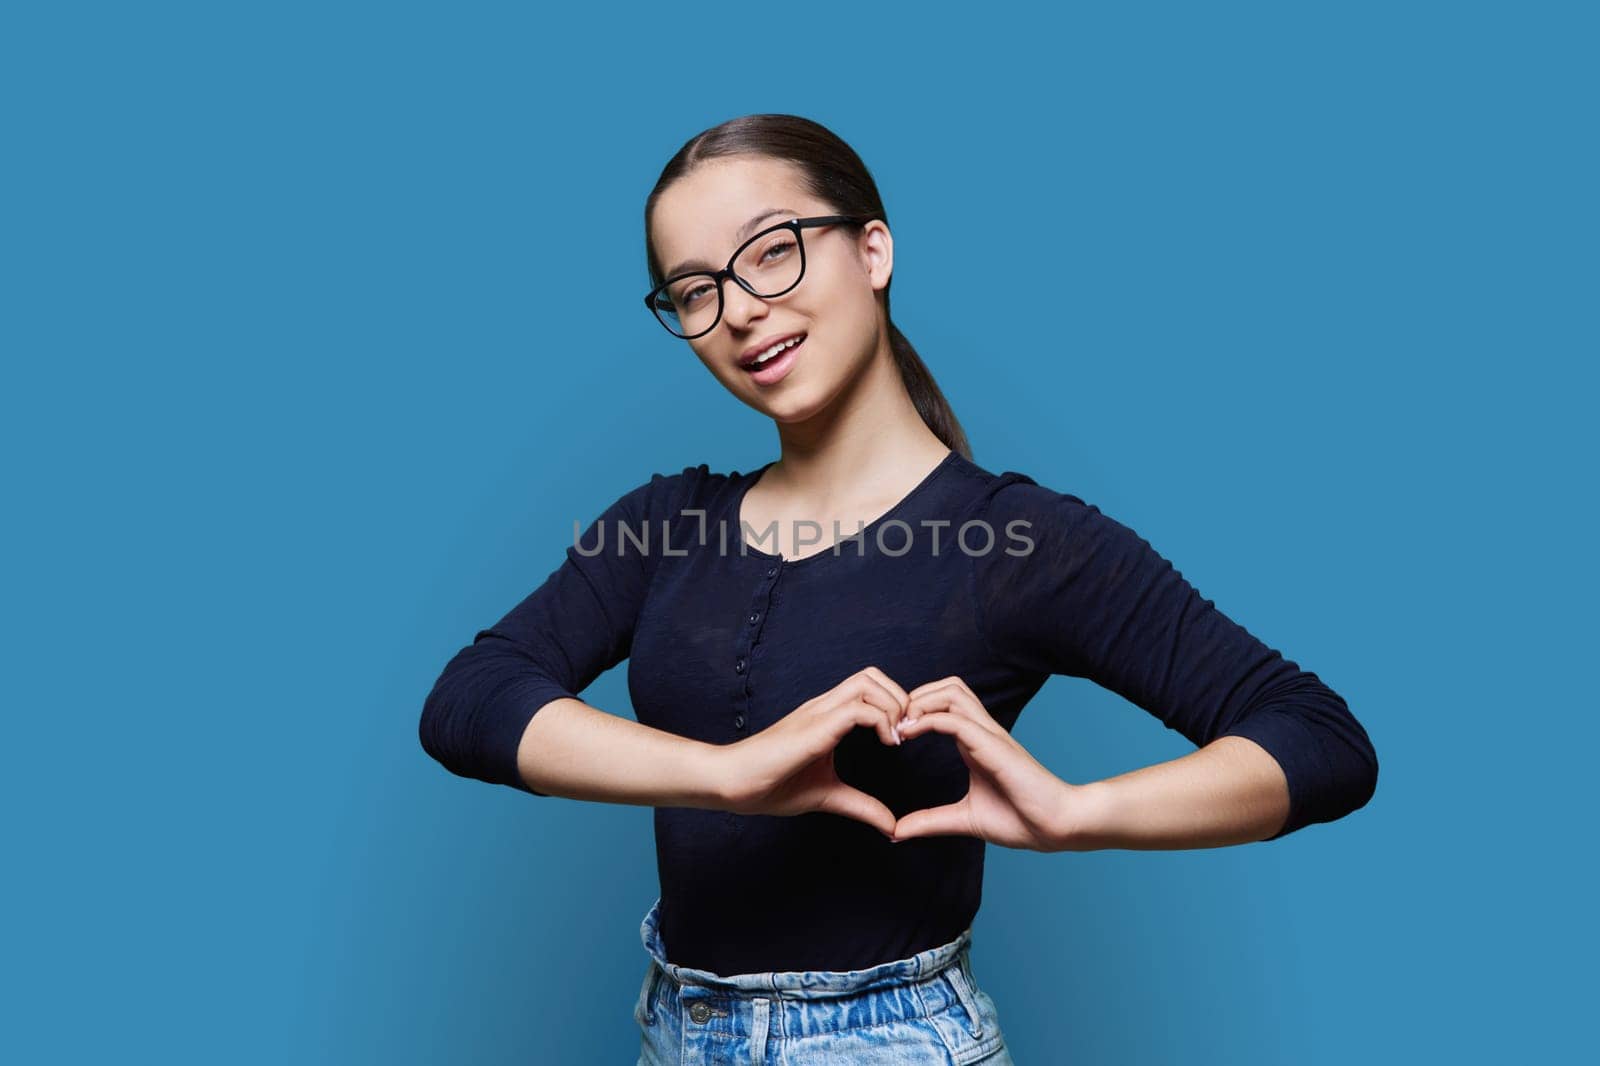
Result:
pixel 774 350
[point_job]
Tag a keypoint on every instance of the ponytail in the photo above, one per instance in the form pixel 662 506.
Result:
pixel 926 395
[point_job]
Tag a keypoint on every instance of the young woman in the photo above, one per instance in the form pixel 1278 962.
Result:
pixel 828 654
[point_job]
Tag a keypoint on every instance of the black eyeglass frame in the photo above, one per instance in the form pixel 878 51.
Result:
pixel 795 225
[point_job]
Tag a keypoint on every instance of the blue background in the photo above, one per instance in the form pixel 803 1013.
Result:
pixel 322 324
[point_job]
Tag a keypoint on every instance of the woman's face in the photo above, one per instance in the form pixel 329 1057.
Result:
pixel 835 307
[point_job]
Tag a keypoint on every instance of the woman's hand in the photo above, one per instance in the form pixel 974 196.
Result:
pixel 788 768
pixel 1011 800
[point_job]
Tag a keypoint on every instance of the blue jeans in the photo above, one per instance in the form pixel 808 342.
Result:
pixel 919 1010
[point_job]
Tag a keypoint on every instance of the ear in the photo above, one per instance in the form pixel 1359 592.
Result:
pixel 877 253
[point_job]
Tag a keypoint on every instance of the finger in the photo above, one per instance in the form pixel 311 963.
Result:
pixel 889 683
pixel 982 746
pixel 853 803
pixel 939 683
pixel 952 819
pixel 896 693
pixel 957 699
pixel 859 712
pixel 946 686
pixel 928 686
pixel 868 688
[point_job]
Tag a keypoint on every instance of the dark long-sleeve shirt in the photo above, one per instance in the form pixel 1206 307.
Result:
pixel 991 577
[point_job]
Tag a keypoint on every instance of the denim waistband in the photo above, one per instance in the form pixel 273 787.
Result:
pixel 806 984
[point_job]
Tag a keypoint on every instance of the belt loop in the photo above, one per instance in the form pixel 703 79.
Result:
pixel 647 995
pixel 758 1032
pixel 958 980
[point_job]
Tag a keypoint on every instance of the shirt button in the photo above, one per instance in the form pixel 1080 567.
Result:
pixel 738 665
pixel 738 721
pixel 754 616
pixel 771 570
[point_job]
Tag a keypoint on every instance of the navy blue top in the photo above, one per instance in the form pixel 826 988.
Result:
pixel 724 638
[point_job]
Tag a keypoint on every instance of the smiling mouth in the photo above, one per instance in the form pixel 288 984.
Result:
pixel 774 354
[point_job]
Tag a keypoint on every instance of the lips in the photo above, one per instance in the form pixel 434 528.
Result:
pixel 777 368
pixel 748 359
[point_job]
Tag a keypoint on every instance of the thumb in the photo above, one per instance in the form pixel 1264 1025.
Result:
pixel 952 819
pixel 854 803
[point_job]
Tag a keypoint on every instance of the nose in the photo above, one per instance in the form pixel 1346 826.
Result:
pixel 740 308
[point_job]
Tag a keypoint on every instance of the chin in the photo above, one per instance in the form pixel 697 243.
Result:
pixel 802 405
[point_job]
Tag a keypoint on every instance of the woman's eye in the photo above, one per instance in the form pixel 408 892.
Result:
pixel 782 247
pixel 694 295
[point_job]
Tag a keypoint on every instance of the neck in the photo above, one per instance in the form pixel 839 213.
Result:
pixel 869 444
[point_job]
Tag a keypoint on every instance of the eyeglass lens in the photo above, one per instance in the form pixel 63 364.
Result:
pixel 770 266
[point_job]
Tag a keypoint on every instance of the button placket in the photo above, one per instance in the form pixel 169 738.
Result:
pixel 744 652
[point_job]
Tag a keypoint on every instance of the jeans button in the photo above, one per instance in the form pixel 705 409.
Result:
pixel 699 1012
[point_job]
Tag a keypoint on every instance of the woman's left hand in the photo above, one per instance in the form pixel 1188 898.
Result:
pixel 1011 800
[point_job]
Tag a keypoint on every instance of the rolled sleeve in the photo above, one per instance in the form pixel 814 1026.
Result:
pixel 1091 598
pixel 576 625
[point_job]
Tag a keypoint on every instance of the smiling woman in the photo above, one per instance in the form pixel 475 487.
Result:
pixel 826 735
pixel 804 229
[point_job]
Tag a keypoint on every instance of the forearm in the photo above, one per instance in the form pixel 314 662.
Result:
pixel 1230 791
pixel 573 750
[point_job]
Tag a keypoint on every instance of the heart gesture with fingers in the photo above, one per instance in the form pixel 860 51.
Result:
pixel 1012 799
pixel 788 768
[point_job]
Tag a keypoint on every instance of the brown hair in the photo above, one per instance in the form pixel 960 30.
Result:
pixel 834 174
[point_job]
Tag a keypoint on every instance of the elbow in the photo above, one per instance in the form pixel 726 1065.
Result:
pixel 1351 755
pixel 1330 760
pixel 1352 761
pixel 456 712
pixel 439 728
pixel 1363 780
pixel 474 717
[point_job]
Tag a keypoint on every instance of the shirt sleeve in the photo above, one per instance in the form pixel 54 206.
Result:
pixel 1069 590
pixel 567 632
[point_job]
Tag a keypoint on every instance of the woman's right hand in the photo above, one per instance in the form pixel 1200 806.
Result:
pixel 787 768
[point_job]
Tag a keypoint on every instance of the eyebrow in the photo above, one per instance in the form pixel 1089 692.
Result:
pixel 744 231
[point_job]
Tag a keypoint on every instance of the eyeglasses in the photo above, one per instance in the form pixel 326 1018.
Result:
pixel 769 264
